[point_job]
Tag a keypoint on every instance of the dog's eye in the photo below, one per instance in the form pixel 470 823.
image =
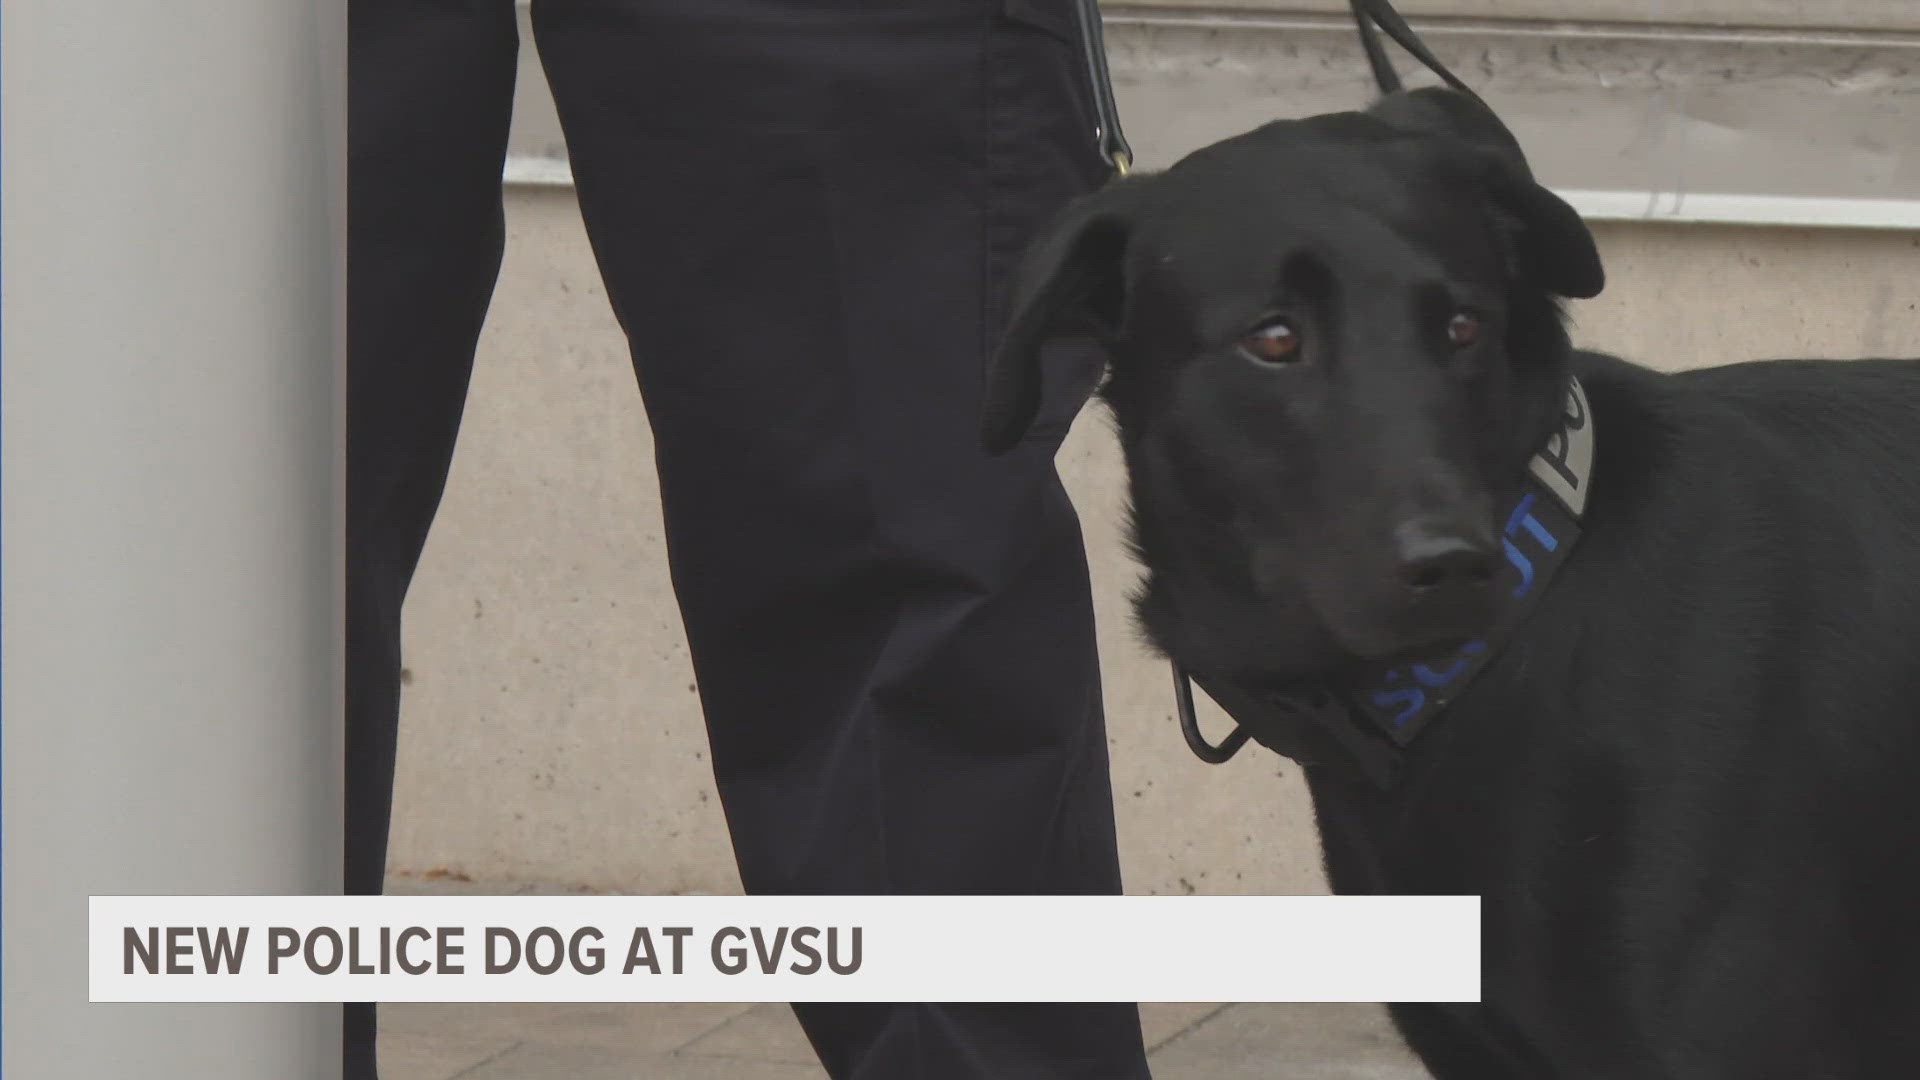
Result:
pixel 1272 342
pixel 1464 329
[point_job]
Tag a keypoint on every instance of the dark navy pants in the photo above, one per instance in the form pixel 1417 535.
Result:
pixel 805 212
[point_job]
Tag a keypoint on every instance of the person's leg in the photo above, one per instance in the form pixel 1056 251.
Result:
pixel 430 91
pixel 805 213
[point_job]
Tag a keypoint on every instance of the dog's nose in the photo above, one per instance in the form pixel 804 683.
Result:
pixel 1439 560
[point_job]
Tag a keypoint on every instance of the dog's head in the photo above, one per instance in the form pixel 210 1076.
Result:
pixel 1334 342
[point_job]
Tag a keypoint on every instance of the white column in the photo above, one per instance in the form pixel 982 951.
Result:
pixel 171 299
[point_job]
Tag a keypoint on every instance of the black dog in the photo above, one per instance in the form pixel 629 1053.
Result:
pixel 1688 787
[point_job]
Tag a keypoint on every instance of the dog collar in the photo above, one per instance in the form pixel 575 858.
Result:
pixel 1373 714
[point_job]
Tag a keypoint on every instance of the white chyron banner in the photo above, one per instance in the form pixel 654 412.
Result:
pixel 785 948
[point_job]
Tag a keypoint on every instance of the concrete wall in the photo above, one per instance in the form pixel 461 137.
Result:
pixel 1730 111
pixel 551 733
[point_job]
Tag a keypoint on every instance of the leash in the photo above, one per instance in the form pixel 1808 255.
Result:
pixel 1374 16
pixel 1112 141
pixel 1369 722
pixel 1371 16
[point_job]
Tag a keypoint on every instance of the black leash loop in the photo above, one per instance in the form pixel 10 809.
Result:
pixel 1190 725
pixel 1374 16
pixel 1113 142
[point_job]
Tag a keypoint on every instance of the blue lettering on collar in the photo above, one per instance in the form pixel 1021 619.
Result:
pixel 1539 534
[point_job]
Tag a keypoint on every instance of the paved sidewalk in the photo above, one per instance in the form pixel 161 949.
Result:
pixel 762 1042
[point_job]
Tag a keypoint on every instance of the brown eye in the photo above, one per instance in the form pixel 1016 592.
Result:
pixel 1463 329
pixel 1273 342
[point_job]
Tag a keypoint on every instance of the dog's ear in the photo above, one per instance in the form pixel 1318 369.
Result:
pixel 1073 280
pixel 1554 243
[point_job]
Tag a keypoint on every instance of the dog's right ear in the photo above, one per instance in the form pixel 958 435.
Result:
pixel 1073 280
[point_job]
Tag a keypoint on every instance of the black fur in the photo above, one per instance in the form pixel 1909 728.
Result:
pixel 1689 787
